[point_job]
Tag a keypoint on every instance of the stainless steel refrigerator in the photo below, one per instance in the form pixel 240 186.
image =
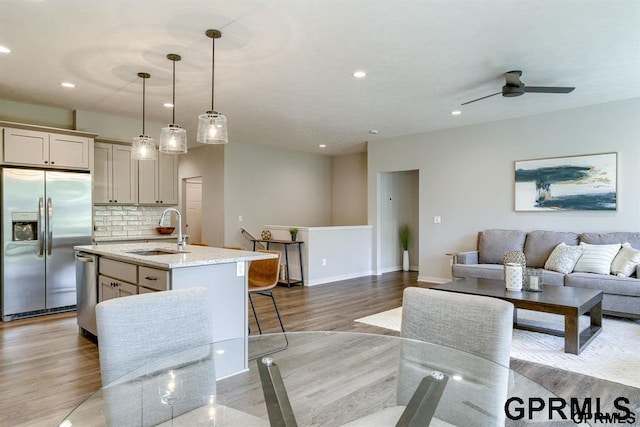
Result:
pixel 44 215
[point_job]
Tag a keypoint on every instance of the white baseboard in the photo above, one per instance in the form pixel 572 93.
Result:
pixel 338 278
pixel 430 279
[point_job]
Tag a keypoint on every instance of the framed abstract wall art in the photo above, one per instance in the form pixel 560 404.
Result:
pixel 579 183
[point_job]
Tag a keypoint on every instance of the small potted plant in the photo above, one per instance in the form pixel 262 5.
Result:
pixel 294 233
pixel 404 241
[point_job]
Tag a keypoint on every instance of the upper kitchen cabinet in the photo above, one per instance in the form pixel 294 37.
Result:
pixel 28 147
pixel 115 175
pixel 158 180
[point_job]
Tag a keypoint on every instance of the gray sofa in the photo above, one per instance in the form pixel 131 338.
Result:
pixel 621 295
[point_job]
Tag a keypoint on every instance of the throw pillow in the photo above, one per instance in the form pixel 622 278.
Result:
pixel 597 258
pixel 563 258
pixel 624 264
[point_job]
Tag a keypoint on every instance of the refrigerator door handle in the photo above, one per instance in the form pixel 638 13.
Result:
pixel 40 226
pixel 49 226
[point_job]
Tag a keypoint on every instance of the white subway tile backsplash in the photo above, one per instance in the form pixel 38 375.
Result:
pixel 119 221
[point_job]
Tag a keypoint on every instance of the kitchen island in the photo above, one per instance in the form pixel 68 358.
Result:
pixel 133 268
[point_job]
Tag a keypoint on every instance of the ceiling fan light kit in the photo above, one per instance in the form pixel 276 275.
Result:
pixel 143 147
pixel 173 139
pixel 212 125
pixel 514 87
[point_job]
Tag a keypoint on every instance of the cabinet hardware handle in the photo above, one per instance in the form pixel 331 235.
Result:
pixel 46 162
pixel 53 163
pixel 151 278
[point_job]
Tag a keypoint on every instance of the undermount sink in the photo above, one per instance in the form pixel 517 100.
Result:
pixel 152 252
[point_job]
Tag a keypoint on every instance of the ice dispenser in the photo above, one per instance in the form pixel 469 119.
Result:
pixel 24 226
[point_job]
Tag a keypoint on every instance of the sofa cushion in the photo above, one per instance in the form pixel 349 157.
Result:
pixel 494 243
pixel 625 263
pixel 552 278
pixel 607 284
pixel 563 258
pixel 608 238
pixel 596 258
pixel 540 244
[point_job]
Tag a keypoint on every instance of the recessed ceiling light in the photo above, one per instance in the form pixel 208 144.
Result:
pixel 322 145
pixel 456 113
pixel 359 74
pixel 68 85
pixel 4 49
pixel 167 104
pixel 373 131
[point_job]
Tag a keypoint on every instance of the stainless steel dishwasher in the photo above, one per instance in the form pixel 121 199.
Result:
pixel 87 291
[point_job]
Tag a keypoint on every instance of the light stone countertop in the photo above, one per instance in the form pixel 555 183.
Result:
pixel 192 256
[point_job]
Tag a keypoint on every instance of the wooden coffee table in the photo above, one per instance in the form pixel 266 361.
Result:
pixel 564 300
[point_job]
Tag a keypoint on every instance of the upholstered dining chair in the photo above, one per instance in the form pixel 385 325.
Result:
pixel 479 326
pixel 137 332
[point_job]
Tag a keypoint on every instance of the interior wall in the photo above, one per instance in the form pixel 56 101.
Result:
pixel 349 189
pixel 41 115
pixel 267 185
pixel 399 194
pixel 466 176
pixel 116 127
pixel 207 162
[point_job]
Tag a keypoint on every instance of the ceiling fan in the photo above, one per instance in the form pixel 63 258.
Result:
pixel 514 87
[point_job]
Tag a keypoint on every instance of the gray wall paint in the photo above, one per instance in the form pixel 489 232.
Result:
pixel 267 185
pixel 349 189
pixel 36 114
pixel 466 176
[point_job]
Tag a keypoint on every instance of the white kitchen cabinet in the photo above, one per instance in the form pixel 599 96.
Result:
pixel 45 149
pixel 119 279
pixel 109 288
pixel 115 174
pixel 158 180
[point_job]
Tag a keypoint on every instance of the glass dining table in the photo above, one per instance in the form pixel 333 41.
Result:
pixel 316 379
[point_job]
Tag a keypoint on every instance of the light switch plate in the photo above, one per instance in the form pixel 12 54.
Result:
pixel 240 268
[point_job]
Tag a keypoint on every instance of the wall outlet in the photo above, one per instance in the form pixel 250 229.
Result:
pixel 239 218
pixel 324 262
pixel 437 220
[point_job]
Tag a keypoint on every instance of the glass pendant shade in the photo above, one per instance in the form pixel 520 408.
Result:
pixel 143 148
pixel 212 128
pixel 173 140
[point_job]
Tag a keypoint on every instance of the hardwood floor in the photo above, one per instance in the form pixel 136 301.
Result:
pixel 46 368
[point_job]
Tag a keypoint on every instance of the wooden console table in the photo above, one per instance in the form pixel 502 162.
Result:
pixel 286 244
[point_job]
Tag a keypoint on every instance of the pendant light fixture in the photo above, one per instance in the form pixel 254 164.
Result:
pixel 143 147
pixel 212 126
pixel 173 139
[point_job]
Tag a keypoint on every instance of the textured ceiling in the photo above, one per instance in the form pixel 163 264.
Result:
pixel 284 67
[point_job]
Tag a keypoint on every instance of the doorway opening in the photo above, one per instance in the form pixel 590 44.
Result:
pixel 193 208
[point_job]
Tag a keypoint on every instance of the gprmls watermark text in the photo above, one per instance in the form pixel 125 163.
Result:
pixel 577 410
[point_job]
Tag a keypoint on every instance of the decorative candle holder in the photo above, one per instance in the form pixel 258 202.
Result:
pixel 533 280
pixel 513 276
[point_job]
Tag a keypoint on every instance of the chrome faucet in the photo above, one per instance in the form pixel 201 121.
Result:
pixel 181 240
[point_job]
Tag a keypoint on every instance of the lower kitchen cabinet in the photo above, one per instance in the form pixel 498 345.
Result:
pixel 109 288
pixel 120 279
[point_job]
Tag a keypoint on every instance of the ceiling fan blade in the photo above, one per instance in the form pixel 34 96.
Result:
pixel 478 99
pixel 545 89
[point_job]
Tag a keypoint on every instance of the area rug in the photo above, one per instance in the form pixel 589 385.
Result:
pixel 614 355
